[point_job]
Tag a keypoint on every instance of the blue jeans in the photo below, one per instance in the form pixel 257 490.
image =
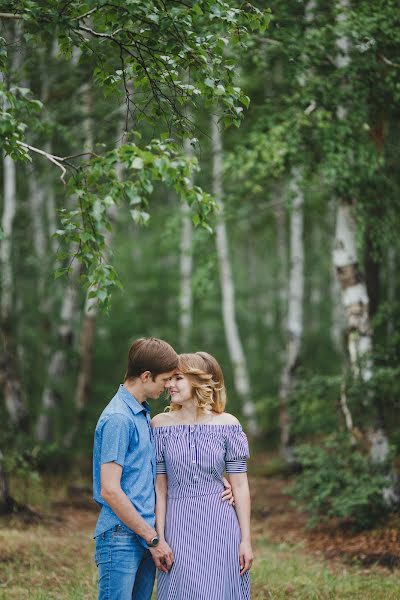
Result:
pixel 126 568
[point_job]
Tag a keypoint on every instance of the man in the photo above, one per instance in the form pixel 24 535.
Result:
pixel 127 546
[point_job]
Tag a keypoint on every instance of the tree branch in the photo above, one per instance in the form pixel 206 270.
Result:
pixel 57 160
pixel 10 16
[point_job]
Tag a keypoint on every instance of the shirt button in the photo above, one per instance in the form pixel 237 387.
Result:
pixel 193 461
pixel 195 477
pixel 192 428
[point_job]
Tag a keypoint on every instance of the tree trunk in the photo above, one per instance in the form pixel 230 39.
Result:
pixel 294 316
pixel 6 502
pixel 391 287
pixel 338 317
pixel 185 299
pixel 356 302
pixel 36 203
pixel 355 296
pixel 88 329
pixel 282 259
pixel 59 360
pixel 241 378
pixel 9 376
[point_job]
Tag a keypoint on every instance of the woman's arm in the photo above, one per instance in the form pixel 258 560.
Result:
pixel 161 504
pixel 241 493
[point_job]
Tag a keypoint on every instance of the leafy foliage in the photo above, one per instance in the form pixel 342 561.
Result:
pixel 339 481
pixel 99 186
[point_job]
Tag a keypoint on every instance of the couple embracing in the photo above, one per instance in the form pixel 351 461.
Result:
pixel 161 488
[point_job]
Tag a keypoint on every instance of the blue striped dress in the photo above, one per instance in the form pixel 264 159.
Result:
pixel 202 530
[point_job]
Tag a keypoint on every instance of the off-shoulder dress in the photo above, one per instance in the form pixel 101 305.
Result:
pixel 202 530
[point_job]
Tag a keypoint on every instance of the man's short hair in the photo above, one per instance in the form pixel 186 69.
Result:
pixel 150 354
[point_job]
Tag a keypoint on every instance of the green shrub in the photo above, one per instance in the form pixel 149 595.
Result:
pixel 339 481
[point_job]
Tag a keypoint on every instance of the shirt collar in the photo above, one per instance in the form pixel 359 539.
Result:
pixel 135 406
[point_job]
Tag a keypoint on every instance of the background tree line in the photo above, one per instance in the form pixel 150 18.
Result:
pixel 278 254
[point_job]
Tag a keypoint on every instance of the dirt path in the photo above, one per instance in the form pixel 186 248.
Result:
pixel 275 516
pixel 51 557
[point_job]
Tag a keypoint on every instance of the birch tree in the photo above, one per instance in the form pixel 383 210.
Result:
pixel 9 372
pixel 88 329
pixel 355 301
pixel 295 314
pixel 354 291
pixel 65 332
pixel 234 343
pixel 186 264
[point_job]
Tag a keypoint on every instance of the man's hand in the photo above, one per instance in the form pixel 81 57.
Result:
pixel 162 556
pixel 227 493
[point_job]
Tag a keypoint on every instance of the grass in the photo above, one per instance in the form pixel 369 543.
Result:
pixel 285 572
pixel 55 562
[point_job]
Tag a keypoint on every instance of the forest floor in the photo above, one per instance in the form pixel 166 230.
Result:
pixel 49 555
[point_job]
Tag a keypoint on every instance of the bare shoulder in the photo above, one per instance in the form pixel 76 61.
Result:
pixel 161 420
pixel 226 419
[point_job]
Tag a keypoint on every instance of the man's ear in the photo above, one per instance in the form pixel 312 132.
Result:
pixel 145 376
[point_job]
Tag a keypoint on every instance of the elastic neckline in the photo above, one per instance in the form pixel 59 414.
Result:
pixel 205 426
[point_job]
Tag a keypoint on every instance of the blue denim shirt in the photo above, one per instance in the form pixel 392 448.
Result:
pixel 124 435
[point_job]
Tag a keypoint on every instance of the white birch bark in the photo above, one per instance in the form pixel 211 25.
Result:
pixel 338 316
pixel 355 299
pixel 9 209
pixel 282 256
pixel 13 391
pixel 354 294
pixel 355 302
pixel 186 265
pixel 296 288
pixel 36 204
pixel 354 291
pixel 295 313
pixel 241 373
pixel 59 359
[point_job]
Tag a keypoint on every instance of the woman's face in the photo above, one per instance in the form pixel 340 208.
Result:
pixel 179 388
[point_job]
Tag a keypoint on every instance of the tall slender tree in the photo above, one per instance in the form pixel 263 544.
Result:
pixel 234 343
pixel 9 369
pixel 186 266
pixel 295 313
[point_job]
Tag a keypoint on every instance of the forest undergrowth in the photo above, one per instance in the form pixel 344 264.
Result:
pixel 48 554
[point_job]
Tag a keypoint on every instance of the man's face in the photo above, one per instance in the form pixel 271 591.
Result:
pixel 154 388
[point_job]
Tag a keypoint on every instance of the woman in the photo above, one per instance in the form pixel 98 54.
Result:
pixel 196 441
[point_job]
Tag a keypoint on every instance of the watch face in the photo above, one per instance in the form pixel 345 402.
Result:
pixel 154 541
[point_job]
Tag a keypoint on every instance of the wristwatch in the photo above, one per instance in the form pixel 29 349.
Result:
pixel 153 542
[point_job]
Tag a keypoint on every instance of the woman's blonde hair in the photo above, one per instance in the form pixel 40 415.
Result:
pixel 207 381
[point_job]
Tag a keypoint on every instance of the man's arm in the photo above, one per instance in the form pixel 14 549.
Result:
pixel 119 502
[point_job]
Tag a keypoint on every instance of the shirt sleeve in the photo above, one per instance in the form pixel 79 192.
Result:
pixel 159 438
pixel 237 451
pixel 115 439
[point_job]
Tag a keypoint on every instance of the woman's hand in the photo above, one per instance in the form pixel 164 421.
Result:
pixel 246 557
